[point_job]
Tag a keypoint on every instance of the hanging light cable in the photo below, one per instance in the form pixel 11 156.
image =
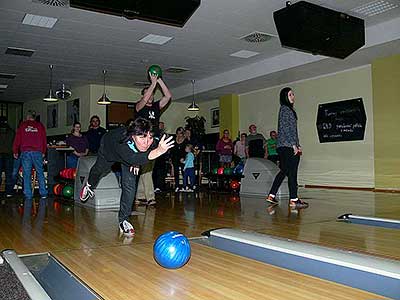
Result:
pixel 49 97
pixel 193 106
pixel 104 99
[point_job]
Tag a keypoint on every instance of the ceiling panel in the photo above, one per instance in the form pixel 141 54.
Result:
pixel 83 43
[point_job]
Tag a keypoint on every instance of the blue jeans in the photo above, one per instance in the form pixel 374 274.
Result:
pixel 188 174
pixel 16 166
pixel 6 163
pixel 31 159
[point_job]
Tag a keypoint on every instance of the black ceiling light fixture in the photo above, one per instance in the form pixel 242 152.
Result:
pixel 49 97
pixel 193 106
pixel 104 99
pixel 63 93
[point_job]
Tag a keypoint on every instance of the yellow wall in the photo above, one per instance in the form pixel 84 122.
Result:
pixel 229 114
pixel 386 94
pixel 332 164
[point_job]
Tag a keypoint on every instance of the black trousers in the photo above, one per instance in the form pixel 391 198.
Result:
pixel 128 183
pixel 177 166
pixel 160 173
pixel 289 165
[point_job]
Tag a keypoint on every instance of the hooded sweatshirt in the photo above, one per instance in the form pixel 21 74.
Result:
pixel 31 136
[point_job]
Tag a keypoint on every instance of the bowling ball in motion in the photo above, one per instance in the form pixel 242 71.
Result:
pixel 155 70
pixel 171 250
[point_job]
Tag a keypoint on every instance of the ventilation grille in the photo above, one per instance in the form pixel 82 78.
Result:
pixel 374 8
pixel 176 70
pixel 7 76
pixel 20 51
pixel 61 3
pixel 257 37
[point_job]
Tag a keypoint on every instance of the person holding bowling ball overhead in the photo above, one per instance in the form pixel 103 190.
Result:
pixel 289 150
pixel 146 107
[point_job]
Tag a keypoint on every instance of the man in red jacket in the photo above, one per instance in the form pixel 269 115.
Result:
pixel 31 142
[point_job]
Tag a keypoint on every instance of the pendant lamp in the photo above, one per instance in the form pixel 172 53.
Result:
pixel 49 97
pixel 193 106
pixel 104 99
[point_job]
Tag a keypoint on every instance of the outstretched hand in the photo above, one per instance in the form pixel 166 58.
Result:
pixel 165 144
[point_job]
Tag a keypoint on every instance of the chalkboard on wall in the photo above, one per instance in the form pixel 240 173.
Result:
pixel 341 121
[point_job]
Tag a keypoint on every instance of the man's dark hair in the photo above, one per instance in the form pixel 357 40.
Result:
pixel 284 99
pixel 139 127
pixel 95 117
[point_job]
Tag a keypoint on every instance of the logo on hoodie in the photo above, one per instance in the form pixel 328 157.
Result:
pixel 31 129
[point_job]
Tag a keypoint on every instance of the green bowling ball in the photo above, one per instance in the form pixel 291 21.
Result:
pixel 155 70
pixel 215 171
pixel 68 191
pixel 228 171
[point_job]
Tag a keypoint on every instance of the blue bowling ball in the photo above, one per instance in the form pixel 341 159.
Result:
pixel 238 169
pixel 171 250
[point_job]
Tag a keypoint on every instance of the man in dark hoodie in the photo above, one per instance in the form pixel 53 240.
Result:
pixel 6 154
pixel 131 146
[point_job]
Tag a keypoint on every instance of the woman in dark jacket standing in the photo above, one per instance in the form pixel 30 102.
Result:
pixel 289 150
pixel 177 153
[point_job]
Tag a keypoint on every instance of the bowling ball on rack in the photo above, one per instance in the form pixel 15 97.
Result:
pixel 171 250
pixel 235 185
pixel 238 169
pixel 228 171
pixel 215 171
pixel 68 191
pixel 221 171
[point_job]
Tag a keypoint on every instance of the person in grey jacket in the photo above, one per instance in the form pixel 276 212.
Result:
pixel 289 150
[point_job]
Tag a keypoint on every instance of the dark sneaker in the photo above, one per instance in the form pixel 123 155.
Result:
pixel 271 199
pixel 86 193
pixel 141 201
pixel 151 202
pixel 126 229
pixel 298 204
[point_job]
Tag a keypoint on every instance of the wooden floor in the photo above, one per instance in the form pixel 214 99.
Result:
pixel 89 244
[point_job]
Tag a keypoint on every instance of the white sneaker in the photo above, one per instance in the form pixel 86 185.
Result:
pixel 189 190
pixel 157 190
pixel 126 229
pixel 86 193
pixel 176 189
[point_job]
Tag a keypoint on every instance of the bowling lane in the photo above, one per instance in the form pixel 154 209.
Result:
pixel 355 237
pixel 129 272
